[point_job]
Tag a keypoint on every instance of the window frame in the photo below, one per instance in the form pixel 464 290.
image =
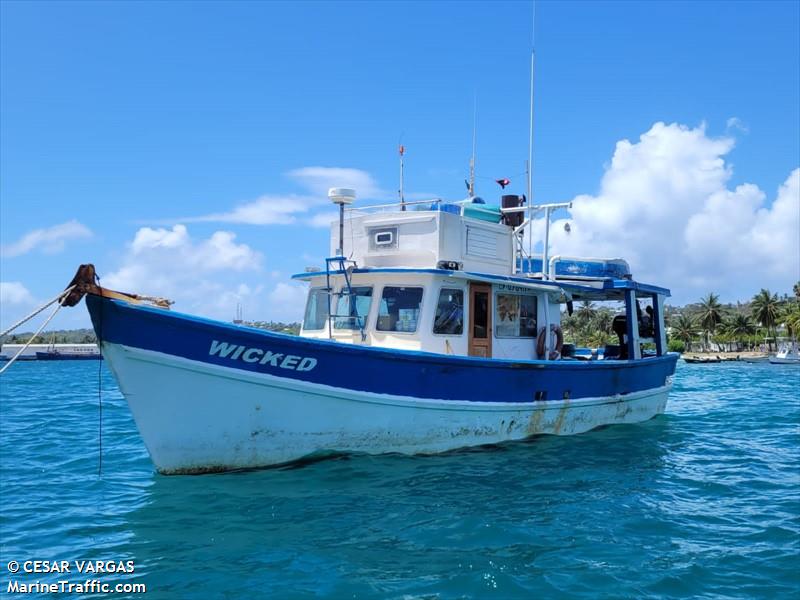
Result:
pixel 305 312
pixel 421 308
pixel 366 318
pixel 464 307
pixel 496 319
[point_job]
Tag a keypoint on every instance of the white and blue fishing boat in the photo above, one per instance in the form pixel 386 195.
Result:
pixel 429 328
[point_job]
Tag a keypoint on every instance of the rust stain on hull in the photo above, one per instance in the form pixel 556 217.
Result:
pixel 562 415
pixel 535 424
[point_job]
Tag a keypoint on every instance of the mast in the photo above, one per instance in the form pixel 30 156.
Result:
pixel 471 186
pixel 530 138
pixel 402 196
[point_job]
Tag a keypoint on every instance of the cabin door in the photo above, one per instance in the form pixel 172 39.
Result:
pixel 480 320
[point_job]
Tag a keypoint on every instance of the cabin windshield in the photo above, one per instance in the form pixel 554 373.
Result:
pixel 352 309
pixel 316 316
pixel 399 309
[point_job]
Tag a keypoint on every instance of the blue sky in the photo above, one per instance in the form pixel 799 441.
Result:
pixel 116 117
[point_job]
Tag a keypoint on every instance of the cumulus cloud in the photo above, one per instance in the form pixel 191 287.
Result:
pixel 665 206
pixel 202 276
pixel 49 240
pixel 14 293
pixel 208 276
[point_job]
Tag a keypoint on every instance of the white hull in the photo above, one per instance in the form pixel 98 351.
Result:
pixel 196 417
pixel 784 361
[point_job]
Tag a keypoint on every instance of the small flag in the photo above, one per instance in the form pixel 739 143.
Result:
pixel 503 182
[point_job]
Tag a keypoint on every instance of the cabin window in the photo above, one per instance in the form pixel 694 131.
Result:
pixel 449 318
pixel 316 310
pixel 382 238
pixel 515 316
pixel 352 309
pixel 399 309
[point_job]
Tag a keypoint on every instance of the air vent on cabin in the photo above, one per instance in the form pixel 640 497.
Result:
pixel 481 242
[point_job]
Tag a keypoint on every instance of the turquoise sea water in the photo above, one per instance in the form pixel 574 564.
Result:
pixel 701 502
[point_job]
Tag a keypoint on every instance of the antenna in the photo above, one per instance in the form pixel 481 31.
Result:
pixel 471 186
pixel 530 138
pixel 402 151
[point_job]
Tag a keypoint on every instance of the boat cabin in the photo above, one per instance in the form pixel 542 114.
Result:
pixel 453 278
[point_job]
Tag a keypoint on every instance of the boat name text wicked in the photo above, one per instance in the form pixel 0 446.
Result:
pixel 262 357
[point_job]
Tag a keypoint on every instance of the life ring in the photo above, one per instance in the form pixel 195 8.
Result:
pixel 555 353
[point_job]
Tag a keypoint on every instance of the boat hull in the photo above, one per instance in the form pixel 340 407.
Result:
pixel 203 412
pixel 199 418
pixel 784 361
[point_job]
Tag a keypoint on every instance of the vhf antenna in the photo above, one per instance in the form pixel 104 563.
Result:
pixel 471 186
pixel 402 152
pixel 530 138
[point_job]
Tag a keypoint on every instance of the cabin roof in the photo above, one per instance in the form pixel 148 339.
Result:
pixel 608 289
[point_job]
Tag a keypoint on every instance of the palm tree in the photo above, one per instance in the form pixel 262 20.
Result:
pixel 710 314
pixel 586 312
pixel 796 290
pixel 684 329
pixel 739 327
pixel 765 309
pixel 602 321
pixel 791 318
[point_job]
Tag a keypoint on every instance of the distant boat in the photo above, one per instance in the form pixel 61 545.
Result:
pixel 702 359
pixel 788 355
pixel 756 359
pixel 60 351
pixel 61 355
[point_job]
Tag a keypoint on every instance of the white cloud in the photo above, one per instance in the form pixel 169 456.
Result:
pixel 14 293
pixel 265 210
pixel 664 205
pixel 319 179
pixel 736 123
pixel 49 240
pixel 324 219
pixel 208 277
pixel 277 209
pixel 288 301
pixel 168 262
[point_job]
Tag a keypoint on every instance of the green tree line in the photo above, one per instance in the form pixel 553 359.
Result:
pixel 743 326
pixel 87 336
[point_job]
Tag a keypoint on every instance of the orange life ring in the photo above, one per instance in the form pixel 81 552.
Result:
pixel 555 353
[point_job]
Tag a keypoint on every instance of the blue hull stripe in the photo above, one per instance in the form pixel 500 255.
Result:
pixel 376 370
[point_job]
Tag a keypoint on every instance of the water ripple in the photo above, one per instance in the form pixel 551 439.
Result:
pixel 703 502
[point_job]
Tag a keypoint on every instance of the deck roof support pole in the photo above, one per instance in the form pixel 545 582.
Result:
pixel 632 324
pixel 659 325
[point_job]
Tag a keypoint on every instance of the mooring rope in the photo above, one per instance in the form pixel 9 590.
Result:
pixel 60 299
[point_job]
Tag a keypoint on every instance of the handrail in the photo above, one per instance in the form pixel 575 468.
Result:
pixel 406 203
pixel 328 291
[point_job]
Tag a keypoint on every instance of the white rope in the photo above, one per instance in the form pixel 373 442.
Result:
pixel 37 311
pixel 38 331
